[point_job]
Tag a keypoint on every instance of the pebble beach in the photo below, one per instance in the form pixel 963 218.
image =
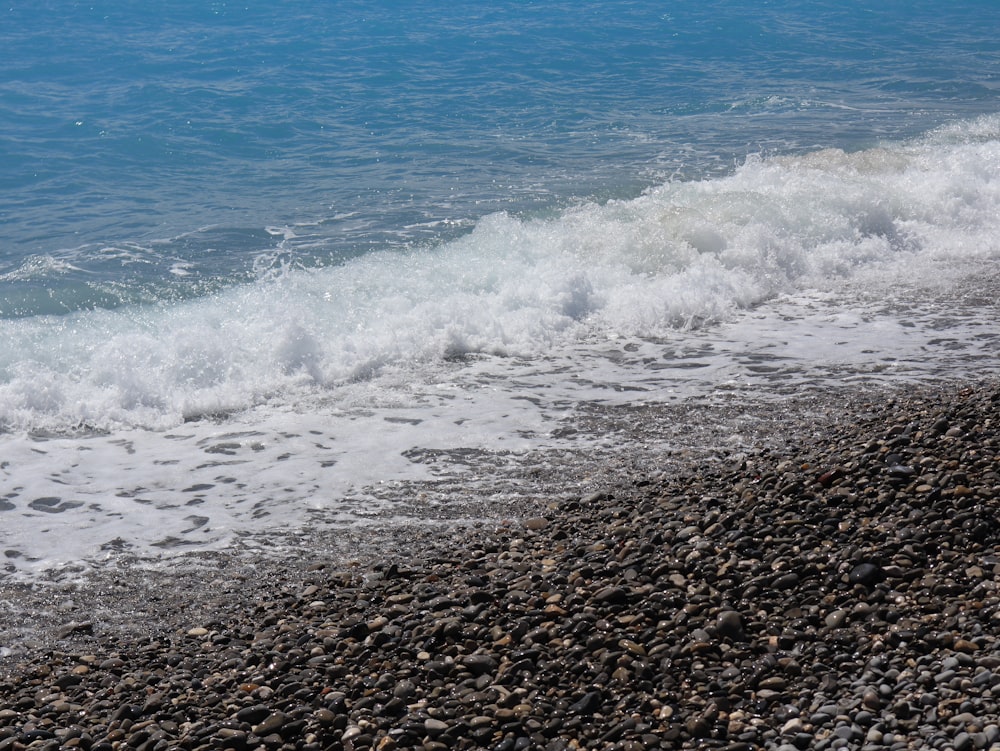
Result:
pixel 833 588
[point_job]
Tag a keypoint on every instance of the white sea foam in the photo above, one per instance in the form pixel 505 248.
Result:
pixel 329 378
pixel 37 267
pixel 682 255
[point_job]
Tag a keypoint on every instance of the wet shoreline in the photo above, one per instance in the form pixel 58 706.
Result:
pixel 832 588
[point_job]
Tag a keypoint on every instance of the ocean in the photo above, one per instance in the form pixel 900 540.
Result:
pixel 268 268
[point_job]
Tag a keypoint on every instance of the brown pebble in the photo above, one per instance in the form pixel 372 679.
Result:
pixel 324 715
pixel 871 699
pixel 632 647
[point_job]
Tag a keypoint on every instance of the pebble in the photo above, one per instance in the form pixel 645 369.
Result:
pixel 729 624
pixel 536 523
pixel 435 727
pixel 793 727
pixel 837 618
pixel 270 724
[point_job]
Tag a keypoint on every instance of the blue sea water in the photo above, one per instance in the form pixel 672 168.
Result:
pixel 139 140
pixel 349 231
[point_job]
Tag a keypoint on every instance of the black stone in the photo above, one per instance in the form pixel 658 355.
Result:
pixel 866 573
pixel 588 704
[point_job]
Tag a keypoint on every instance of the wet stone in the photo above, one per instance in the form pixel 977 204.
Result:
pixel 729 624
pixel 837 618
pixel 435 727
pixel 611 596
pixel 480 664
pixel 867 574
pixel 272 723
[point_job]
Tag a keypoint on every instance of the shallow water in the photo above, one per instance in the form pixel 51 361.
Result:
pixel 485 436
